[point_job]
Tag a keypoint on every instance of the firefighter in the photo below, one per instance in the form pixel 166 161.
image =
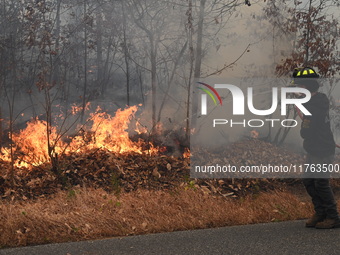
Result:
pixel 318 142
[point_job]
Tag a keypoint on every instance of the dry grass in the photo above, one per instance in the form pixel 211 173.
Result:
pixel 90 214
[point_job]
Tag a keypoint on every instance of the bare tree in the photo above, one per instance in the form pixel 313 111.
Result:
pixel 314 35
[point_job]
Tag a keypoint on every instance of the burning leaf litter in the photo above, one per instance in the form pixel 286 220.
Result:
pixel 104 156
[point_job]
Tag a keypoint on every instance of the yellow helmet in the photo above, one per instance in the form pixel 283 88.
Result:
pixel 305 72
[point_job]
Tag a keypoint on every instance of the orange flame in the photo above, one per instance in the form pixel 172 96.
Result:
pixel 110 132
pixel 186 153
pixel 33 146
pixel 140 129
pixel 76 109
pixel 33 143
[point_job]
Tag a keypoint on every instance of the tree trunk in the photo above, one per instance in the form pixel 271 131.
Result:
pixel 198 54
pixel 99 36
pixel 198 60
pixel 85 64
pixel 56 69
pixel 190 121
pixel 126 58
pixel 153 81
pixel 308 33
pixel 140 83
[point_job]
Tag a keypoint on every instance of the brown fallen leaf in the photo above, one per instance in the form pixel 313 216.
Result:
pixel 168 166
pixel 155 173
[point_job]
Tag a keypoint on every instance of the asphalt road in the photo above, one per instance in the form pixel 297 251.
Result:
pixel 270 238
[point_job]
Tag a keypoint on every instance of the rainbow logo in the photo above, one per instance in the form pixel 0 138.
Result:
pixel 209 93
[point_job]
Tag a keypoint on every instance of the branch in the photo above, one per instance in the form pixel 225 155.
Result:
pixel 229 65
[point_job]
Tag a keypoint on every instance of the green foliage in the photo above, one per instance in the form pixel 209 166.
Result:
pixel 190 185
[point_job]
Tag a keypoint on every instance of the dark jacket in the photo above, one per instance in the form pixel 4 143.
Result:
pixel 315 129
